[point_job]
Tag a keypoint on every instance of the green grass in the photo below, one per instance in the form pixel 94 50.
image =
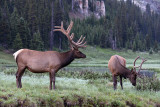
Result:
pixel 80 86
pixel 97 57
pixel 35 92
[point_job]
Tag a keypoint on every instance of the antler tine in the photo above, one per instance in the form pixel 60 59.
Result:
pixel 59 28
pixel 79 39
pixel 70 27
pixel 135 61
pixel 82 45
pixel 77 44
pixel 82 40
pixel 72 36
pixel 143 60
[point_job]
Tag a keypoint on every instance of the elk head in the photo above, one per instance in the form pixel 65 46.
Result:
pixel 73 45
pixel 135 73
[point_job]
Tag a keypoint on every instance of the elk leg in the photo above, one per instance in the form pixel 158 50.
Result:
pixel 114 82
pixel 121 82
pixel 17 82
pixel 20 83
pixel 52 79
pixel 50 76
pixel 19 74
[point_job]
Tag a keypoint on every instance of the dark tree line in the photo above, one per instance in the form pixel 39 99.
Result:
pixel 29 24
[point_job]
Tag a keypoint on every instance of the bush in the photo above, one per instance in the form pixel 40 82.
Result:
pixel 146 83
pixel 84 74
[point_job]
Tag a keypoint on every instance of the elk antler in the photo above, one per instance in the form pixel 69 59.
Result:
pixel 143 60
pixel 140 67
pixel 77 44
pixel 135 61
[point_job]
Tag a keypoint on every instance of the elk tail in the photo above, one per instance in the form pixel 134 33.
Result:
pixel 16 53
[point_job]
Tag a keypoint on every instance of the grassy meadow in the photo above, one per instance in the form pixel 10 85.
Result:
pixel 85 82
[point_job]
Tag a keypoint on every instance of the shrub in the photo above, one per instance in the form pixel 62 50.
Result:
pixel 146 83
pixel 84 74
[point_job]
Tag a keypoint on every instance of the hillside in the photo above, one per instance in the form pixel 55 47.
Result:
pixel 154 4
pixel 98 57
pixel 105 23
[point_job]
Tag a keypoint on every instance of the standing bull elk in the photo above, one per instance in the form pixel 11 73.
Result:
pixel 48 61
pixel 117 66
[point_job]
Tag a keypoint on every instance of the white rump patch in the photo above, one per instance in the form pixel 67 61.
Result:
pixel 16 53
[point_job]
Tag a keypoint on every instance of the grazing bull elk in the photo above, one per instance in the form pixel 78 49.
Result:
pixel 117 66
pixel 48 61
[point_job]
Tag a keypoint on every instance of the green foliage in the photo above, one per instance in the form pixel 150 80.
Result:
pixel 151 51
pixel 76 87
pixel 17 44
pixel 146 83
pixel 155 48
pixel 134 46
pixel 24 31
pixel 124 26
pixel 70 92
pixel 84 74
pixel 37 42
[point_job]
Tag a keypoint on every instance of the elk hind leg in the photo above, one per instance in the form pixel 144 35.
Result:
pixel 121 82
pixel 19 74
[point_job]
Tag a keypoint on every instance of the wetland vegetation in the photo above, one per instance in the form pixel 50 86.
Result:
pixel 84 83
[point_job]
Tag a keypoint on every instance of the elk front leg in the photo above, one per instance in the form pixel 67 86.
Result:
pixel 50 76
pixel 52 79
pixel 114 82
pixel 121 82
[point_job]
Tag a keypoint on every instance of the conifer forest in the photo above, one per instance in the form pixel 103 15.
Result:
pixel 29 24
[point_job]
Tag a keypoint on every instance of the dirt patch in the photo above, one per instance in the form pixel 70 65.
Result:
pixel 130 104
pixel 3 97
pixel 3 90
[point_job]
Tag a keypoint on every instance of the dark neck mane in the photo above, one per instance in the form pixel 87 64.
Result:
pixel 126 70
pixel 66 58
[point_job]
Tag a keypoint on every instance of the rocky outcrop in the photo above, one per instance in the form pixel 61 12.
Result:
pixel 100 9
pixel 103 10
pixel 82 6
pixel 154 4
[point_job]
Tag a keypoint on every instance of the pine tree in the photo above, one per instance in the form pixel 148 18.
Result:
pixel 134 46
pixel 17 43
pixel 37 42
pixel 24 32
pixel 5 37
pixel 32 16
pixel 14 19
pixel 148 44
pixel 155 48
